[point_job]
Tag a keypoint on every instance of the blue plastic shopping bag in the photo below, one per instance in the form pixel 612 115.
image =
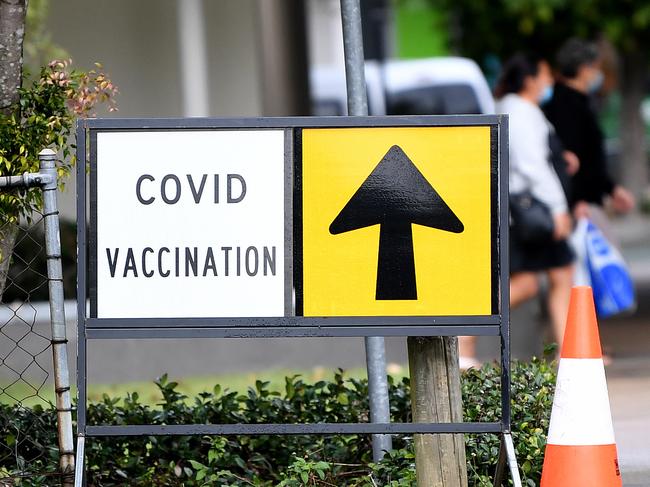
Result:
pixel 610 279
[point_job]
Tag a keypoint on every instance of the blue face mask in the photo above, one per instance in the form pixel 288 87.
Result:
pixel 546 95
pixel 596 83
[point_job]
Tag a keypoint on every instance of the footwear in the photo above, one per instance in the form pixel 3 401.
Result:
pixel 465 363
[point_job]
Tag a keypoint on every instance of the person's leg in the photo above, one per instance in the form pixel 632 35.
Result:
pixel 560 280
pixel 523 286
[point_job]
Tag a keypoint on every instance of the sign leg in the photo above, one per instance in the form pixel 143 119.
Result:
pixel 507 456
pixel 79 467
pixel 512 459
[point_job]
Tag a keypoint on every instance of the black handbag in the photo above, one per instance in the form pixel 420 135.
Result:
pixel 532 221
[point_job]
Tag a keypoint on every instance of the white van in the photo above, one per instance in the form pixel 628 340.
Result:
pixel 435 86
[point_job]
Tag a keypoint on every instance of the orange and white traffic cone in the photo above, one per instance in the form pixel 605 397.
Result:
pixel 580 450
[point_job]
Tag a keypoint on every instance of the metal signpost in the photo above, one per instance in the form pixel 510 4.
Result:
pixel 293 227
pixel 358 106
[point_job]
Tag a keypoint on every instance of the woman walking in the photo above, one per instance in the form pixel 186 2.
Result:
pixel 526 82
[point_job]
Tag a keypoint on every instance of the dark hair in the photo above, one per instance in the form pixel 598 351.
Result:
pixel 514 73
pixel 573 54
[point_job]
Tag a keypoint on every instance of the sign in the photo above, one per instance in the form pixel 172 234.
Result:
pixel 339 226
pixel 398 221
pixel 190 223
pixel 307 226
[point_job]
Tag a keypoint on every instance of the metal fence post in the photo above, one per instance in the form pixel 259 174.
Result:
pixel 47 159
pixel 358 106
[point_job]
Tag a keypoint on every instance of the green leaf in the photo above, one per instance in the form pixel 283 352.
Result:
pixel 212 455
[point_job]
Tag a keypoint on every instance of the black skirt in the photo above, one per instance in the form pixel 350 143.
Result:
pixel 526 257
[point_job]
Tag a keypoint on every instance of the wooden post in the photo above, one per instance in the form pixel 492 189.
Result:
pixel 436 398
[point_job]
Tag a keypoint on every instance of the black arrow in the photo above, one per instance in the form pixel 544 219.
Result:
pixel 396 195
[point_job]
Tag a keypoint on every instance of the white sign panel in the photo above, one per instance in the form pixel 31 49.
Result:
pixel 190 224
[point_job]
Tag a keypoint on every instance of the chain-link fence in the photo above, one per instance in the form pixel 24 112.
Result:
pixel 28 446
pixel 29 450
pixel 35 412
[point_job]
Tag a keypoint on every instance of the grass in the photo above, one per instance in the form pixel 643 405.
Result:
pixel 189 386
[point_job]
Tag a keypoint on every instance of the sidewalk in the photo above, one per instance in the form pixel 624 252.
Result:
pixel 632 234
pixel 629 392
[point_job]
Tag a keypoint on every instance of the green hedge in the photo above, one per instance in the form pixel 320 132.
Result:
pixel 272 460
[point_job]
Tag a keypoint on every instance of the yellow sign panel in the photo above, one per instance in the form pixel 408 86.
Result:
pixel 397 221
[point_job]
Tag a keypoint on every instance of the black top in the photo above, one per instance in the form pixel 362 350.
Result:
pixel 575 121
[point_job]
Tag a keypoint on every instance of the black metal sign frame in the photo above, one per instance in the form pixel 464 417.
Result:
pixel 90 327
